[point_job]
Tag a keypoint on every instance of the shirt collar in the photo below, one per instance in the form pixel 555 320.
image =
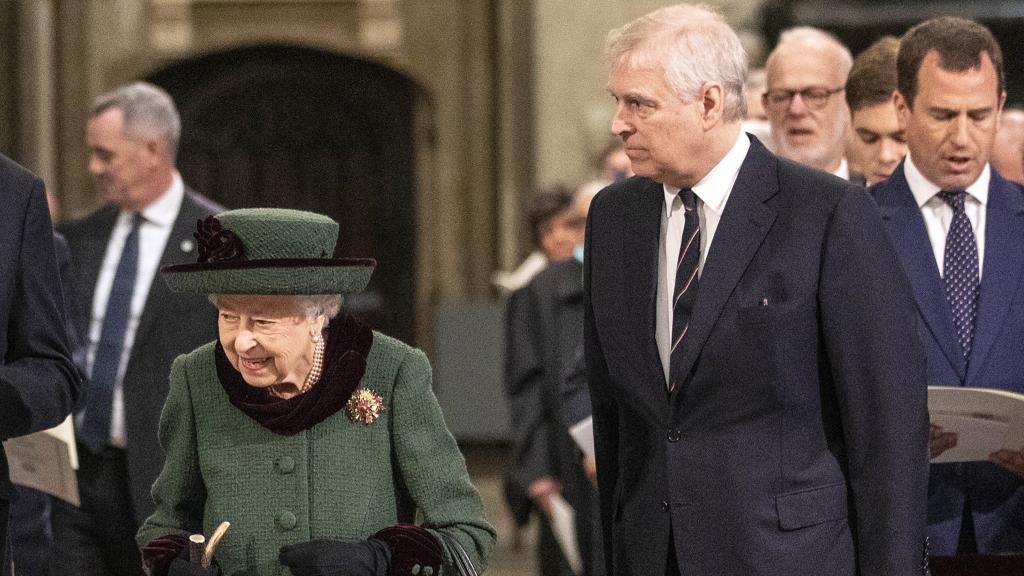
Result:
pixel 924 190
pixel 844 170
pixel 713 189
pixel 163 211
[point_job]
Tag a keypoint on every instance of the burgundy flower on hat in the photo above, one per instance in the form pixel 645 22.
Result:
pixel 217 243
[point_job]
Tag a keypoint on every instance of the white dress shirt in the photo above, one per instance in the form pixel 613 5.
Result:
pixel 712 193
pixel 938 216
pixel 154 230
pixel 844 170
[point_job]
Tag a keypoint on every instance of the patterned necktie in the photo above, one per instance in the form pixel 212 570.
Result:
pixel 94 431
pixel 960 269
pixel 685 292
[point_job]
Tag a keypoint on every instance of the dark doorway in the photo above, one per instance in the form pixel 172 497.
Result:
pixel 298 128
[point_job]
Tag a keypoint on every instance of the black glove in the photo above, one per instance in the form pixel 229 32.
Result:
pixel 181 567
pixel 371 557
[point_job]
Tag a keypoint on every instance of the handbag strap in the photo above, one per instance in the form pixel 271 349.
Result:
pixel 457 561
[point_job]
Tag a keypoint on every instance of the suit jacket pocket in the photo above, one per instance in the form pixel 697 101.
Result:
pixel 753 314
pixel 810 507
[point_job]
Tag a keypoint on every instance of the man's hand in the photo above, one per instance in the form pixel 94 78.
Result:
pixel 939 441
pixel 590 469
pixel 1012 460
pixel 541 490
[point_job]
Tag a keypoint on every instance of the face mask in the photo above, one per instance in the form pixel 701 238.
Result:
pixel 577 252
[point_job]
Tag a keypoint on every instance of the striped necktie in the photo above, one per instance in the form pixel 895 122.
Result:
pixel 686 284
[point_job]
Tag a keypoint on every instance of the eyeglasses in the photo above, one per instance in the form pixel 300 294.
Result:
pixel 813 98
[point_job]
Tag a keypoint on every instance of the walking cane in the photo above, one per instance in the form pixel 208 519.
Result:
pixel 200 551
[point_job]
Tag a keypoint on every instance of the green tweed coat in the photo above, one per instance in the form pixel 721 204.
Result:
pixel 339 479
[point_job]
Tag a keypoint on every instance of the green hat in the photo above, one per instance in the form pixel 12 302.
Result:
pixel 268 251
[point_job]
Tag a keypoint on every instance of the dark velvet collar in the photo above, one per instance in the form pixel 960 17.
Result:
pixel 347 346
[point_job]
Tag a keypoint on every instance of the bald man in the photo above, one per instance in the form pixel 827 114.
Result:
pixel 806 75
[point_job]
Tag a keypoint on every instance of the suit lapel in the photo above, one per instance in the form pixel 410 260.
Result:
pixel 1004 258
pixel 180 248
pixel 744 225
pixel 903 219
pixel 642 237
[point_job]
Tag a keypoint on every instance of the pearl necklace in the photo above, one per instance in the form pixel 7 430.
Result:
pixel 316 368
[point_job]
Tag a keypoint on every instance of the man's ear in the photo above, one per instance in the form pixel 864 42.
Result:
pixel 712 99
pixel 999 113
pixel 156 151
pixel 903 110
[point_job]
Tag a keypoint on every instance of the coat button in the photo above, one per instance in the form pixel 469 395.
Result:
pixel 285 464
pixel 664 505
pixel 286 520
pixel 674 435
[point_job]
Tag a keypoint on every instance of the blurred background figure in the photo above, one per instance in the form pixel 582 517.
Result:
pixel 544 328
pixel 878 143
pixel 615 164
pixel 806 72
pixel 554 233
pixel 129 323
pixel 1008 151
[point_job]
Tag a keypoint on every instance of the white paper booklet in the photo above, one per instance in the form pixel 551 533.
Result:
pixel 985 420
pixel 46 461
pixel 582 433
pixel 563 525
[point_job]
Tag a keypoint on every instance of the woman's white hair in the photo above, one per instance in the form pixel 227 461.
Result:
pixel 693 44
pixel 312 306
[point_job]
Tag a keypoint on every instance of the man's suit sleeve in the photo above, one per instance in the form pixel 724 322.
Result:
pixel 605 414
pixel 38 381
pixel 869 327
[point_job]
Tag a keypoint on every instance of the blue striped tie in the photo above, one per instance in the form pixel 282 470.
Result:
pixel 685 292
pixel 94 431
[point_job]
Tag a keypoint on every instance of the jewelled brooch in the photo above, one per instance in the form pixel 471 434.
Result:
pixel 364 406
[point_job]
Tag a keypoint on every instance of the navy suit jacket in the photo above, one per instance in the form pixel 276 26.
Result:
pixel 997 354
pixel 796 442
pixel 171 324
pixel 38 380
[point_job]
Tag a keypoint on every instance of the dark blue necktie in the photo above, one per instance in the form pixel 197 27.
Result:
pixel 685 292
pixel 960 270
pixel 94 431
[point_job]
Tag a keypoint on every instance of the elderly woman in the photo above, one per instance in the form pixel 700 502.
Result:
pixel 318 439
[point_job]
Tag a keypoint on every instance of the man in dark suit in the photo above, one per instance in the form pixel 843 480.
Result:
pixel 958 227
pixel 133 326
pixel 758 391
pixel 38 380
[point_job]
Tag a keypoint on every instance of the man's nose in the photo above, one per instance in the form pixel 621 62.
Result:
pixel 890 152
pixel 622 122
pixel 797 106
pixel 961 131
pixel 95 165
